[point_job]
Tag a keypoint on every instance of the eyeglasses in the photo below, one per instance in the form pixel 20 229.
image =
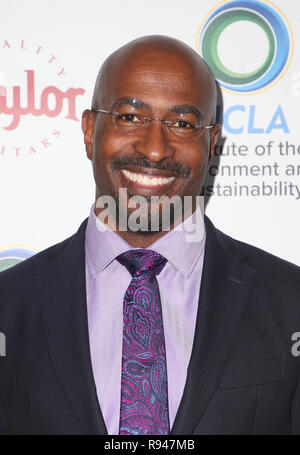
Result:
pixel 131 123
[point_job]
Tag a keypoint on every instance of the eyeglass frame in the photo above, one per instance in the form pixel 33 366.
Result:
pixel 165 122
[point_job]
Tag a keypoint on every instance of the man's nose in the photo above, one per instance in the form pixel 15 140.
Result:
pixel 154 142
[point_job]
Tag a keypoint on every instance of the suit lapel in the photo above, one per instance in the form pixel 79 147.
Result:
pixel 225 287
pixel 62 293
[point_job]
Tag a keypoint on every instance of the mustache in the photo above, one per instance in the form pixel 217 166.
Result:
pixel 176 168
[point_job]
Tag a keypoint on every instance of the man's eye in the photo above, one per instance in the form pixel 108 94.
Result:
pixel 130 118
pixel 183 124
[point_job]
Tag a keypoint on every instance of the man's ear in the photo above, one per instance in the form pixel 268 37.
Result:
pixel 213 139
pixel 87 127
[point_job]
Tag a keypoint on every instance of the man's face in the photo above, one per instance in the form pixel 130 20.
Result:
pixel 153 161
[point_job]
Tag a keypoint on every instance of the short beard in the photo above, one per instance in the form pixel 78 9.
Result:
pixel 139 160
pixel 163 220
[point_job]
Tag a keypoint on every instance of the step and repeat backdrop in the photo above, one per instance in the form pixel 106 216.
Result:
pixel 50 53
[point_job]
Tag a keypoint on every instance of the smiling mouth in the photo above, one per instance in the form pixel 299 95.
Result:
pixel 146 179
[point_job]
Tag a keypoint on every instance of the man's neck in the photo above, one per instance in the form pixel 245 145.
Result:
pixel 140 240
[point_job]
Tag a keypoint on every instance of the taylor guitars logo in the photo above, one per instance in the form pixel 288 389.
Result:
pixel 16 110
pixel 35 90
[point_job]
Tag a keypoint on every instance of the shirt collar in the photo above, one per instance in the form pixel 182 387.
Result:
pixel 181 246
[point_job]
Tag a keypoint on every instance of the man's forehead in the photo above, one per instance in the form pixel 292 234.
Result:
pixel 155 63
pixel 156 78
pixel 156 91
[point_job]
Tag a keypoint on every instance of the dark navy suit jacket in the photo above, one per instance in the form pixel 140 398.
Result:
pixel 242 377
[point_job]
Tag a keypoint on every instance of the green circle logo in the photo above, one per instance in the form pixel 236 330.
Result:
pixel 275 30
pixel 12 256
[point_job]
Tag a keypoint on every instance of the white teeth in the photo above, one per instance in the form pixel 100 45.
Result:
pixel 147 180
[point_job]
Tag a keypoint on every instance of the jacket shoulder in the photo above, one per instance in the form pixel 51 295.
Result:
pixel 257 258
pixel 22 272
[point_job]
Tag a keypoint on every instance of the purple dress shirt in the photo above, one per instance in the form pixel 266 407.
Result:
pixel 106 283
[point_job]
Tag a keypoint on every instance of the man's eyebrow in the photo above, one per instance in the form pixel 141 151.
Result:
pixel 187 109
pixel 139 104
pixel 131 101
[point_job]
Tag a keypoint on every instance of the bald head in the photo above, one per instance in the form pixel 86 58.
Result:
pixel 161 55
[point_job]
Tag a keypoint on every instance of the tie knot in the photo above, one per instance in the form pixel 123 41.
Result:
pixel 141 260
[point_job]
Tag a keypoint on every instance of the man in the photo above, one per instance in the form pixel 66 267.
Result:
pixel 138 330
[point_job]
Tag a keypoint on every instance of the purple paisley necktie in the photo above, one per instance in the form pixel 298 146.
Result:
pixel 144 393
